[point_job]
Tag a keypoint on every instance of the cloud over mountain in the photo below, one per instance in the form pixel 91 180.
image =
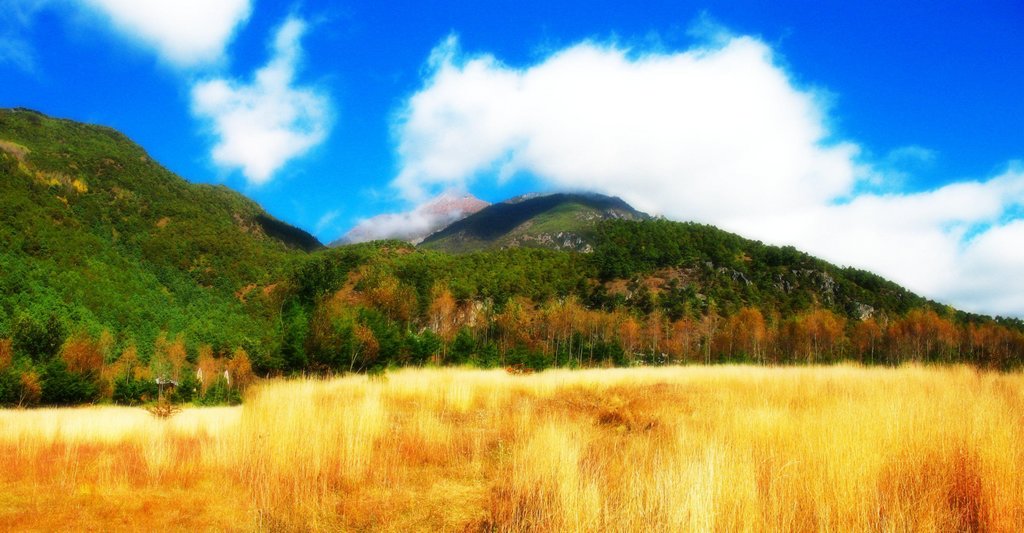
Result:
pixel 721 133
pixel 417 223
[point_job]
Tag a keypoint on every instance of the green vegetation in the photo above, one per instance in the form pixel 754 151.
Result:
pixel 95 237
pixel 115 271
pixel 554 221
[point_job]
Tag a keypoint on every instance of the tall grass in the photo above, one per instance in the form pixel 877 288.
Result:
pixel 653 449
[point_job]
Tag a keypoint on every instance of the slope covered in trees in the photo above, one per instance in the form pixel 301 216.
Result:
pixel 97 241
pixel 717 298
pixel 116 271
pixel 560 221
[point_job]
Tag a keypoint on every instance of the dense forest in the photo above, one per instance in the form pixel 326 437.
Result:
pixel 115 271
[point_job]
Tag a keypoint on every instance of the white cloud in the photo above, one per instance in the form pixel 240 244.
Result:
pixel 264 124
pixel 717 130
pixel 934 242
pixel 991 270
pixel 184 32
pixel 410 225
pixel 417 223
pixel 719 134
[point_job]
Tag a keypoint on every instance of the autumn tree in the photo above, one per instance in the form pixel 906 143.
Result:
pixel 441 313
pixel 239 367
pixel 515 324
pixel 652 334
pixel 30 389
pixel 562 319
pixel 6 354
pixel 748 331
pixel 132 381
pixel 707 329
pixel 169 356
pixel 815 335
pixel 629 335
pixel 923 335
pixel 208 368
pixel 392 298
pixel 683 340
pixel 83 355
pixel 867 337
pixel 365 350
pixel 993 345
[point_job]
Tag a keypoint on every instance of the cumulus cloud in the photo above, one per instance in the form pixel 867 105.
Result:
pixel 938 243
pixel 716 129
pixel 991 267
pixel 263 124
pixel 184 32
pixel 722 134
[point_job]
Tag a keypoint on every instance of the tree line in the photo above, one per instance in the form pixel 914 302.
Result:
pixel 376 318
pixel 40 366
pixel 376 322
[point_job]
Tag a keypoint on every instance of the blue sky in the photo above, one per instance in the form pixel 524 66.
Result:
pixel 876 135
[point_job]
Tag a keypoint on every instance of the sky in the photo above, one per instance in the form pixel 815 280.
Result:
pixel 881 135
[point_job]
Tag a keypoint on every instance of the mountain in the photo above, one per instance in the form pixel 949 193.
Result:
pixel 104 251
pixel 415 225
pixel 97 234
pixel 561 221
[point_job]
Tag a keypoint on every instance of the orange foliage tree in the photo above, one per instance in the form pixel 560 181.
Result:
pixel 365 349
pixel 747 332
pixel 208 368
pixel 30 389
pixel 170 356
pixel 6 354
pixel 240 369
pixel 866 339
pixel 83 355
pixel 816 335
pixel 923 335
pixel 442 313
pixel 993 345
pixel 629 335
pixel 396 300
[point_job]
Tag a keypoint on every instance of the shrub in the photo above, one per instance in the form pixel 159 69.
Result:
pixel 220 393
pixel 60 386
pixel 131 391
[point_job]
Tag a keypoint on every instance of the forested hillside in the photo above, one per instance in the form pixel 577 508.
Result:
pixel 97 241
pixel 651 292
pixel 115 271
pixel 559 221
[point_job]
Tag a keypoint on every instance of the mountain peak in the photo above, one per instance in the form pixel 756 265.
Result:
pixel 560 221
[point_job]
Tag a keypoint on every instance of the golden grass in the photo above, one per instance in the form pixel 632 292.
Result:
pixel 652 449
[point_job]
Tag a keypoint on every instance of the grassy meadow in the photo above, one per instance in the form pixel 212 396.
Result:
pixel 739 448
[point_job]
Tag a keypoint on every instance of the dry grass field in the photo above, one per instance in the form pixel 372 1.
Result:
pixel 649 449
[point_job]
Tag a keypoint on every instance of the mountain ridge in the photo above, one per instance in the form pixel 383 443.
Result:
pixel 99 242
pixel 560 221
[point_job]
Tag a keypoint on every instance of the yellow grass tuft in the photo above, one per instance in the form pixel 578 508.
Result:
pixel 646 449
